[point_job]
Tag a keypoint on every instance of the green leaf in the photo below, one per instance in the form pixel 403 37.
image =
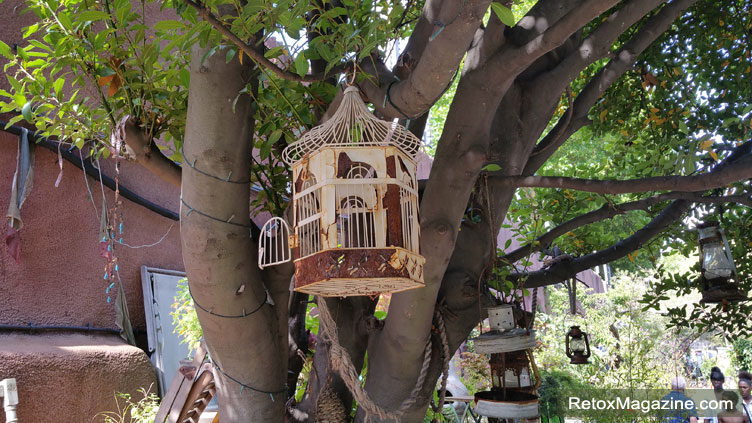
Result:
pixel 683 127
pixel 58 86
pixel 230 54
pixel 31 29
pixel 301 65
pixel 19 99
pixel 503 13
pixel 93 15
pixel 65 21
pixel 491 167
pixel 168 25
pixel 26 112
pixel 6 51
pixel 184 76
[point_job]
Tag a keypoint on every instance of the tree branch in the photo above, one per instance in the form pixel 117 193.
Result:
pixel 710 180
pixel 597 45
pixel 566 269
pixel 149 156
pixel 623 60
pixel 434 51
pixel 538 19
pixel 512 61
pixel 257 56
pixel 608 211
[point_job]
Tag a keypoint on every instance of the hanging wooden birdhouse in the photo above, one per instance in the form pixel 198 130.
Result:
pixel 514 375
pixel 355 207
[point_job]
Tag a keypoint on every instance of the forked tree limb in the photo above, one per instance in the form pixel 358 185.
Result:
pixel 739 171
pixel 515 60
pixel 599 42
pixel 433 54
pixel 608 211
pixel 622 60
pixel 148 155
pixel 566 269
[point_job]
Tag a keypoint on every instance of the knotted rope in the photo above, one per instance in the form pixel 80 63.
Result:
pixel 533 308
pixel 445 349
pixel 342 363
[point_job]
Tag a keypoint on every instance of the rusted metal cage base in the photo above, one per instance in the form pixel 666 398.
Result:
pixel 343 287
pixel 347 272
pixel 514 405
pixel 495 342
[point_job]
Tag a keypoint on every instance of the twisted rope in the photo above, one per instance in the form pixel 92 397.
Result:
pixel 533 308
pixel 342 363
pixel 447 357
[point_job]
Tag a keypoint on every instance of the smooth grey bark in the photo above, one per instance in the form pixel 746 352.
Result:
pixel 397 351
pixel 220 257
pixel 497 115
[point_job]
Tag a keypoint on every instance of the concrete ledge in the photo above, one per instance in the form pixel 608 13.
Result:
pixel 71 377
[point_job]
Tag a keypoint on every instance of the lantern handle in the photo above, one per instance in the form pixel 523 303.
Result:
pixel 536 372
pixel 587 345
pixel 354 74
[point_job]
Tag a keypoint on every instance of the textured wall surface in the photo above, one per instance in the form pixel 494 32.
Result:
pixel 71 377
pixel 58 280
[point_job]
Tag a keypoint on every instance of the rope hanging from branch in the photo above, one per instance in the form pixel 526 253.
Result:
pixel 341 362
pixel 446 357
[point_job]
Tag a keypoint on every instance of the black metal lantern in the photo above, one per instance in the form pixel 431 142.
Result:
pixel 718 273
pixel 578 346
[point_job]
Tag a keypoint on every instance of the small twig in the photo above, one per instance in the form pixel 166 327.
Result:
pixel 256 56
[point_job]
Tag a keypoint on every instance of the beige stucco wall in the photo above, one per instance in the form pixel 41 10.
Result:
pixel 59 278
pixel 71 378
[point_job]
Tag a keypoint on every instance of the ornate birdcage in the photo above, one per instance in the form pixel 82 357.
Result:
pixel 355 207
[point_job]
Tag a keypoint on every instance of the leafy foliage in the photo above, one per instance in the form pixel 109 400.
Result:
pixel 742 358
pixel 129 410
pixel 631 348
pixel 184 317
pixel 86 65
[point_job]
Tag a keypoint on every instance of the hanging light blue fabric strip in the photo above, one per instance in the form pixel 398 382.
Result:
pixel 438 31
pixel 23 179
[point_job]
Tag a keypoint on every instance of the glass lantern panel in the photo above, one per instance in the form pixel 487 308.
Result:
pixel 577 344
pixel 715 262
pixel 510 379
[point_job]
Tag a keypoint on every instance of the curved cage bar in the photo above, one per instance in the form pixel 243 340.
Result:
pixel 273 243
pixel 352 125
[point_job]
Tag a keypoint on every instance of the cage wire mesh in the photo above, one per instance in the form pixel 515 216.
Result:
pixel 355 203
pixel 352 125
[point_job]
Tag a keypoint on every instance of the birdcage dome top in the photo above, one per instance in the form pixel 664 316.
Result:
pixel 352 125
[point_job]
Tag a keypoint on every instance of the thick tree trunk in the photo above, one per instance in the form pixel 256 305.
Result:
pixel 218 252
pixel 355 321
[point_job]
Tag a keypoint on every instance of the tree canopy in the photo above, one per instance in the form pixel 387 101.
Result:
pixel 606 129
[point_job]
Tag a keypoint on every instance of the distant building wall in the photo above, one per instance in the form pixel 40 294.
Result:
pixel 68 376
pixel 59 279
